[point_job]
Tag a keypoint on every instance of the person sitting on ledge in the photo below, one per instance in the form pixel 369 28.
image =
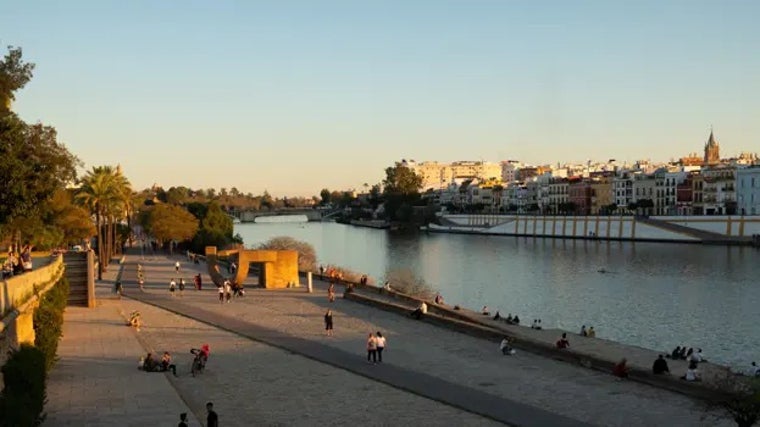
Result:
pixel 696 356
pixel 516 320
pixel 583 332
pixel 563 343
pixel 150 364
pixel 505 347
pixel 676 353
pixel 621 369
pixel 682 355
pixel 509 319
pixel 419 311
pixel 497 316
pixel 689 353
pixel 591 333
pixel 660 366
pixel 692 374
pixel 485 311
pixel 536 324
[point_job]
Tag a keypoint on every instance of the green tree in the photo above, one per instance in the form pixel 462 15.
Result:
pixel 325 195
pixel 14 75
pixel 105 191
pixel 169 222
pixel 399 179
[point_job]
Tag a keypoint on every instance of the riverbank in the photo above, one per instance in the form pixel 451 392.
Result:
pixel 416 350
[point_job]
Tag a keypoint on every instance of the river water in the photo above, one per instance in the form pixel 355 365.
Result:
pixel 654 295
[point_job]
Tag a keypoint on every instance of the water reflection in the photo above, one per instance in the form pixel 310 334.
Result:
pixel 653 295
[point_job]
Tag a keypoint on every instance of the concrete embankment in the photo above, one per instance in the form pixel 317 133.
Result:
pixel 593 353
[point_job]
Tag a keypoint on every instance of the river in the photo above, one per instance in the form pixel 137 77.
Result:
pixel 654 295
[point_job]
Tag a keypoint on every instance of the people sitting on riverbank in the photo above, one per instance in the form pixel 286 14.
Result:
pixel 506 347
pixel 516 320
pixel 660 366
pixel 536 324
pixel 419 311
pixel 387 286
pixel 676 353
pixel 689 353
pixel 509 319
pixel 497 316
pixel 695 356
pixel 584 332
pixel 485 311
pixel 692 374
pixel 591 333
pixel 620 370
pixel 563 343
pixel 682 355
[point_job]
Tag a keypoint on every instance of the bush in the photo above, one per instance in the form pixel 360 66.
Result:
pixel 407 282
pixel 307 256
pixel 23 396
pixel 48 321
pixel 347 274
pixel 740 399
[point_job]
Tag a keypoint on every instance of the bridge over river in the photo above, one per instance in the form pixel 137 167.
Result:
pixel 312 215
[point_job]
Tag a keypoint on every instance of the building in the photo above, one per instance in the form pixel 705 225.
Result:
pixel 509 170
pixel 622 186
pixel 579 194
pixel 719 191
pixel 439 175
pixel 644 193
pixel 712 151
pixel 685 195
pixel 698 200
pixel 602 195
pixel 558 194
pixel 748 190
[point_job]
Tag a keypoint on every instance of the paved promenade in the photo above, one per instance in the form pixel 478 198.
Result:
pixel 463 371
pixel 96 381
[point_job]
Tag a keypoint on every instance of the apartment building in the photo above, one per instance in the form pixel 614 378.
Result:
pixel 719 190
pixel 748 190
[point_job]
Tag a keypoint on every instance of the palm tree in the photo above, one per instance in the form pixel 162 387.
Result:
pixel 103 191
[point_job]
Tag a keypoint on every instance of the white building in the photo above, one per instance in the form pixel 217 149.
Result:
pixel 719 191
pixel 748 190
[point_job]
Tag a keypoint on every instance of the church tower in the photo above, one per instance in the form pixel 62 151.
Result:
pixel 712 151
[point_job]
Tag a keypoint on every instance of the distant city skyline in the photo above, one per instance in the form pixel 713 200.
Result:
pixel 294 96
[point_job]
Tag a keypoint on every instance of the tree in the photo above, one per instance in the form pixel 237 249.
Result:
pixel 325 195
pixel 169 222
pixel 400 180
pixel 14 75
pixel 104 190
pixel 73 221
pixel 307 257
pixel 33 165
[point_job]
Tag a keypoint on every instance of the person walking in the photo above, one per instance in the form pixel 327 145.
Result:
pixel 176 266
pixel 331 293
pixel 221 294
pixel 380 339
pixel 172 286
pixel 182 420
pixel 329 323
pixel 181 286
pixel 212 419
pixel 371 348
pixel 227 291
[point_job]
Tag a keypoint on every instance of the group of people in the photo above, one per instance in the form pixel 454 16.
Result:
pixel 590 332
pixel 173 286
pixel 536 324
pixel 681 353
pixel 17 262
pixel 509 319
pixel 375 346
pixel 151 364
pixel 229 289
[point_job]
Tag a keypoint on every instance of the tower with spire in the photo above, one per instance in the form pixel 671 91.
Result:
pixel 712 151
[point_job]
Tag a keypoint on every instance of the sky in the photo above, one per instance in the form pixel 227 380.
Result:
pixel 295 96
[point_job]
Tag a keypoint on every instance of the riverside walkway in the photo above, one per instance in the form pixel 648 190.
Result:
pixel 96 381
pixel 459 370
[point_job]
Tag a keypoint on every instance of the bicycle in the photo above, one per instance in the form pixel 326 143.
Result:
pixel 199 361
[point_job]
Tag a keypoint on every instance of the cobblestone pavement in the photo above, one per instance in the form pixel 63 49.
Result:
pixel 554 386
pixel 96 381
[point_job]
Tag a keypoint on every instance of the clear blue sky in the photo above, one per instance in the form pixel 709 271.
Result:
pixel 293 96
